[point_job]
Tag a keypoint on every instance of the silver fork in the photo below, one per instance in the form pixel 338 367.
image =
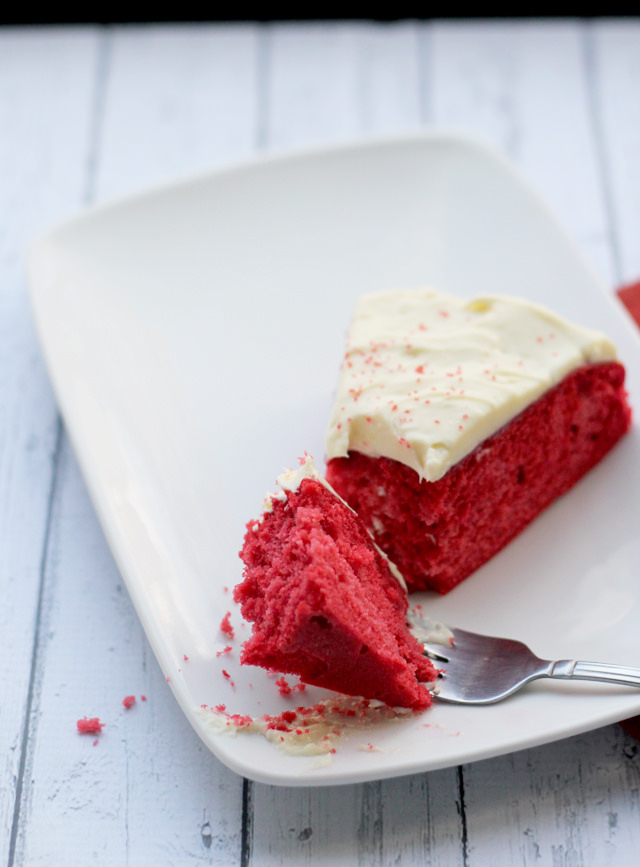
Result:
pixel 480 669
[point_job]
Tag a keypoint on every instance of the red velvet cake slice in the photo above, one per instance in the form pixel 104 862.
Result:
pixel 456 423
pixel 324 601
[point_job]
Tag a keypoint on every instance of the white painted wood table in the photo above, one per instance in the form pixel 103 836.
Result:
pixel 90 113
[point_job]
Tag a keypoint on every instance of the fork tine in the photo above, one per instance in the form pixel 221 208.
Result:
pixel 435 652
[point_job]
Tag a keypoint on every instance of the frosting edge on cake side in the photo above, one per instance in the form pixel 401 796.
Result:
pixel 426 376
pixel 290 480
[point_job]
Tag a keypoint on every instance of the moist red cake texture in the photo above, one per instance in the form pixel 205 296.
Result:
pixel 437 533
pixel 324 603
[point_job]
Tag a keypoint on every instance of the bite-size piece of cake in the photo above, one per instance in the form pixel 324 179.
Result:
pixel 455 423
pixel 325 602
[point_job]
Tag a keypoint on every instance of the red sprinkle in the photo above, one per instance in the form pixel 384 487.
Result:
pixel 129 701
pixel 226 674
pixel 225 625
pixel 186 658
pixel 143 698
pixel 91 726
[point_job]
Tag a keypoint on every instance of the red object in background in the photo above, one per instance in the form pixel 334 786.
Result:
pixel 632 726
pixel 630 297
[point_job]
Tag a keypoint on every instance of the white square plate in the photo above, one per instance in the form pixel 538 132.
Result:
pixel 193 336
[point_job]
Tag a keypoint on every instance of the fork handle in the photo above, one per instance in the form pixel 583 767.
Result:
pixel 579 670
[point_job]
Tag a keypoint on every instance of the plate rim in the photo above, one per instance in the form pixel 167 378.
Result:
pixel 257 162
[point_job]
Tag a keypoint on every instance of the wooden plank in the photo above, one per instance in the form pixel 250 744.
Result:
pixel 410 820
pixel 44 77
pixel 178 101
pixel 148 792
pixel 422 820
pixel 523 87
pixel 616 60
pixel 332 82
pixel 574 802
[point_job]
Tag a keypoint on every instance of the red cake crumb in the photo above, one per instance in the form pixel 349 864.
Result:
pixel 225 625
pixel 325 605
pixel 185 657
pixel 129 701
pixel 221 708
pixel 439 532
pixel 224 650
pixel 283 686
pixel 91 726
pixel 143 698
pixel 227 676
pixel 241 719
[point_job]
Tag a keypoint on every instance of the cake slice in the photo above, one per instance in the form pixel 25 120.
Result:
pixel 456 423
pixel 325 602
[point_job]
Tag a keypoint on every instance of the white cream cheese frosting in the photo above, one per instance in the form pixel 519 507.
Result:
pixel 291 479
pixel 426 376
pixel 313 731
